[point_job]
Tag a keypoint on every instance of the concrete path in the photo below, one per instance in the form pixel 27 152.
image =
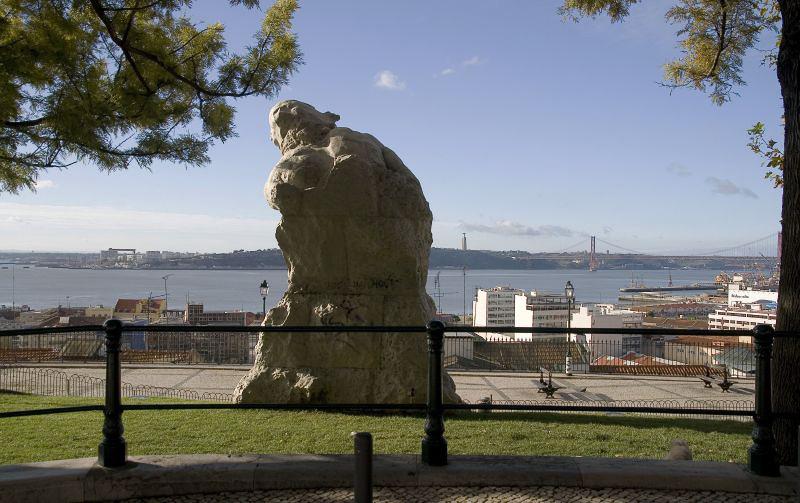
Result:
pixel 542 494
pixel 471 386
pixel 484 476
pixel 581 387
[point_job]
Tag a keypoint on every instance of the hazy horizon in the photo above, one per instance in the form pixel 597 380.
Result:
pixel 526 131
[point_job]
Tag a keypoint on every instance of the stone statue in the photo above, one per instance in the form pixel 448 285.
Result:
pixel 356 234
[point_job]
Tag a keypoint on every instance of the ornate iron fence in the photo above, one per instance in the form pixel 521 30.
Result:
pixel 53 382
pixel 645 356
pixel 113 449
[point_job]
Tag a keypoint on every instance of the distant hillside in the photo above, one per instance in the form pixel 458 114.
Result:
pixel 239 259
pixel 483 259
pixel 440 258
pixel 515 259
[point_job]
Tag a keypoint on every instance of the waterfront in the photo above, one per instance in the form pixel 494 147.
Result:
pixel 49 287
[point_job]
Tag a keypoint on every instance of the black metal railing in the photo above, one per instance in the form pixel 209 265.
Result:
pixel 136 346
pixel 634 353
pixel 112 451
pixel 645 357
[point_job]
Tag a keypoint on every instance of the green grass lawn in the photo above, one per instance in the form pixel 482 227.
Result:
pixel 71 435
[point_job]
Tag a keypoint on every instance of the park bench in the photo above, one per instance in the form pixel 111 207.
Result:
pixel 709 381
pixel 546 387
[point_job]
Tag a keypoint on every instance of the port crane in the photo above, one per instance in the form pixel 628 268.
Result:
pixel 438 293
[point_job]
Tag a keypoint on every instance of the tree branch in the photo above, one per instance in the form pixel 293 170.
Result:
pixel 130 23
pixel 134 8
pixel 128 50
pixel 100 11
pixel 41 165
pixel 24 124
pixel 721 45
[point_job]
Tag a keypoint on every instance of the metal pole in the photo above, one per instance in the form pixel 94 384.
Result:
pixel 434 445
pixel 762 457
pixel 568 358
pixel 464 273
pixel 166 294
pixel 362 444
pixel 112 452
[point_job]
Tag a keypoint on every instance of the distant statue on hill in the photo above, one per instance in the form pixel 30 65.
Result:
pixel 356 234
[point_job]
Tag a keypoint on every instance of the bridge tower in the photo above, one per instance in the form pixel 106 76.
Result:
pixel 593 263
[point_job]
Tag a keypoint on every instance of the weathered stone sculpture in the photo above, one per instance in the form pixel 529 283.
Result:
pixel 356 234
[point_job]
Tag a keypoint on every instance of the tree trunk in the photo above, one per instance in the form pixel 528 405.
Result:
pixel 786 360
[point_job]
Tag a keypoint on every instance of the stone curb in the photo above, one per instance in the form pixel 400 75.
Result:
pixel 580 376
pixel 152 476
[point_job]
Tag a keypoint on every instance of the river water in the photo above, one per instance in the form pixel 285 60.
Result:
pixel 41 287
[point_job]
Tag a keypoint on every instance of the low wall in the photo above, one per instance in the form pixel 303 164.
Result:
pixel 164 476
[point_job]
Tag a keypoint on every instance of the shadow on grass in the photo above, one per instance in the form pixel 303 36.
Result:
pixel 639 422
pixel 574 418
pixel 700 425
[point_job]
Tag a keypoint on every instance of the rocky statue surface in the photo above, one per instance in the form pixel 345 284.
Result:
pixel 355 230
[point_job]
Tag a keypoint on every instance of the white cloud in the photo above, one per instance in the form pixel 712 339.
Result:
pixel 474 60
pixel 679 169
pixel 388 80
pixel 728 188
pixel 509 228
pixel 45 184
pixel 447 71
pixel 91 228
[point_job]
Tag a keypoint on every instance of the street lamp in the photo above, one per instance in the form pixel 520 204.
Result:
pixel 13 296
pixel 569 292
pixel 264 293
pixel 166 295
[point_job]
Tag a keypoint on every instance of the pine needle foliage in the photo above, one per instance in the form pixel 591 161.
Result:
pixel 119 83
pixel 713 37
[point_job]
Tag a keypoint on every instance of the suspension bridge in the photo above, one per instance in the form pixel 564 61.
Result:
pixel 765 250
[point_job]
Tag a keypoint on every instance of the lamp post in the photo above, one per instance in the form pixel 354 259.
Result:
pixel 264 293
pixel 13 296
pixel 569 292
pixel 166 295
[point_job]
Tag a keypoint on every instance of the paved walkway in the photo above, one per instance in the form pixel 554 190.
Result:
pixel 305 477
pixel 471 386
pixel 579 387
pixel 546 494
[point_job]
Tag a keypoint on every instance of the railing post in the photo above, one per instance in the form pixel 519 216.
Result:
pixel 112 452
pixel 434 445
pixel 762 458
pixel 362 445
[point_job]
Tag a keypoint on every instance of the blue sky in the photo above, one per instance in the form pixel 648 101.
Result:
pixel 526 131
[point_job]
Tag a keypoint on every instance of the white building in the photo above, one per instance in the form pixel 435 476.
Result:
pixel 494 307
pixel 743 316
pixel 746 309
pixel 737 295
pixel 608 316
pixel 536 309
